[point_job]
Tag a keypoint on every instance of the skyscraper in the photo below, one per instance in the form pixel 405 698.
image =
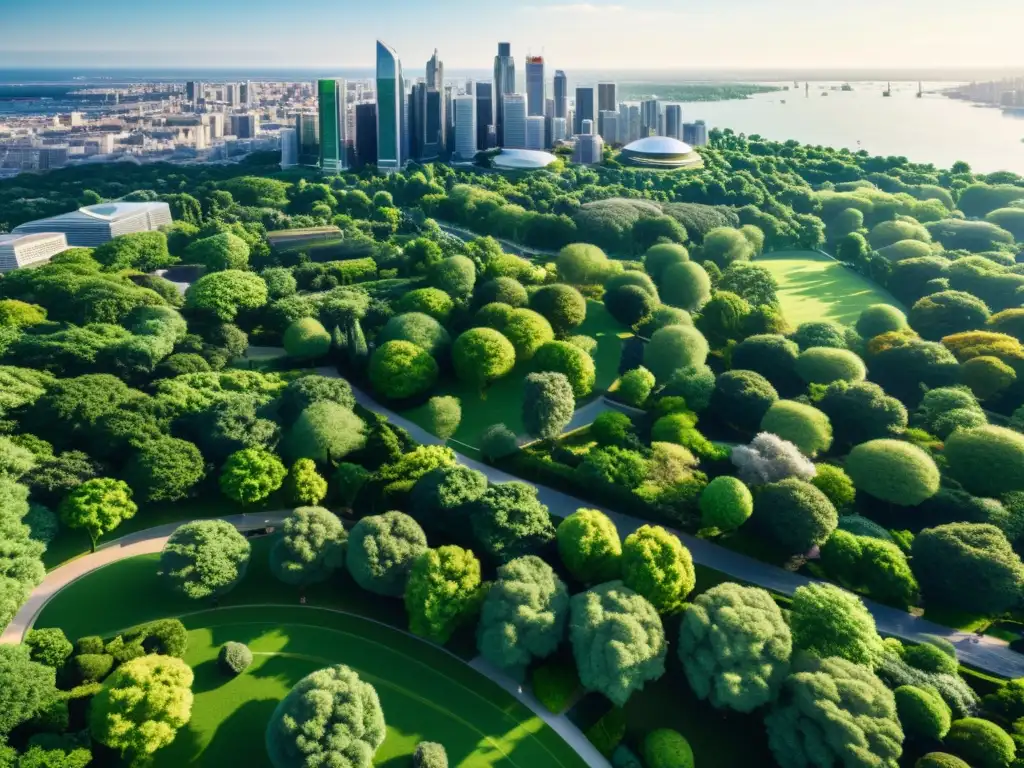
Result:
pixel 484 112
pixel 695 134
pixel 504 82
pixel 584 107
pixel 392 118
pixel 426 133
pixel 514 107
pixel 366 133
pixel 195 92
pixel 435 73
pixel 589 150
pixel 307 128
pixel 232 94
pixel 535 85
pixel 561 94
pixel 465 109
pixel 606 102
pixel 332 109
pixel 608 121
pixel 559 132
pixel 650 111
pixel 289 148
pixel 674 121
pixel 244 126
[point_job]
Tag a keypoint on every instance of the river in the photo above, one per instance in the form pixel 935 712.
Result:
pixel 933 129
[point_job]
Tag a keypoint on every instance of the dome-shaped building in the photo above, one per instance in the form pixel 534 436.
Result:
pixel 522 160
pixel 661 152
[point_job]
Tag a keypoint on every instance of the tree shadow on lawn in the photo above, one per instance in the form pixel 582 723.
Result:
pixel 237 740
pixel 843 295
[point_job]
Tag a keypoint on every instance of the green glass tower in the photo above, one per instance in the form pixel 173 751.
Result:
pixel 331 95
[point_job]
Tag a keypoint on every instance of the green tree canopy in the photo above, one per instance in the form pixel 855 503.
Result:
pixel 444 588
pixel 893 471
pixel 657 566
pixel 400 369
pixel 795 514
pixel 382 550
pixel 673 348
pixel 508 521
pixel 311 548
pixel 548 404
pixel 725 503
pixel 251 475
pixel 26 687
pixel 326 432
pixel 589 545
pixel 205 558
pixel 98 506
pixel 829 621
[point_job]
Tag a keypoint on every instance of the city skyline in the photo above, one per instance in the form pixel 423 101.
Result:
pixel 647 34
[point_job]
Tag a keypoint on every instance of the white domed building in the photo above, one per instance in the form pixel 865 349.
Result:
pixel 522 160
pixel 660 152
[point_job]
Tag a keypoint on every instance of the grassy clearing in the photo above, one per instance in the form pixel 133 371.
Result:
pixel 426 693
pixel 503 400
pixel 812 286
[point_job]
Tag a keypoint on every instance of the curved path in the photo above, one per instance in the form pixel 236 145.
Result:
pixel 985 653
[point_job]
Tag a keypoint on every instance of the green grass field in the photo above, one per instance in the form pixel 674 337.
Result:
pixel 814 287
pixel 426 692
pixel 503 400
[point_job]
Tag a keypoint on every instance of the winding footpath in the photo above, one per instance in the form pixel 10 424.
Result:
pixel 985 653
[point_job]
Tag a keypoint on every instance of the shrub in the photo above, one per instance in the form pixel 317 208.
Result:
pixel 311 548
pixel 430 301
pixel 344 728
pixel 548 404
pixel 823 365
pixel 562 305
pixel 528 331
pixel 630 304
pixel 612 428
pixel 204 558
pixel 234 658
pixel 455 275
pixel 735 647
pixel 658 567
pixel 613 466
pixel 695 384
pixel 724 318
pixel 819 333
pixel 889 232
pixel 871 564
pixel 569 360
pixel 880 318
pixel 672 348
pixel 429 754
pixel 893 471
pixel 400 369
pixel 523 616
pixel 967 566
pixel 555 685
pixel 307 339
pixel 803 425
pixel 42 522
pixel 981 743
pixel 497 442
pixel 835 484
pixel 610 612
pixel 305 484
pixel 831 622
pixel 725 504
pixel 987 376
pixel 987 460
pixel 92 667
pixel 769 459
pixel 795 514
pixel 442 591
pixel 504 290
pixel 508 522
pixel 381 551
pixel 588 543
pixel 444 415
pixel 665 748
pixel 948 312
pixel 420 329
pixel 743 398
pixel 482 355
pixel 685 285
pixel 49 646
pixel 662 316
pixel 771 355
pixel 831 709
pixel 940 760
pixel 660 257
pixel 583 264
pixel 861 412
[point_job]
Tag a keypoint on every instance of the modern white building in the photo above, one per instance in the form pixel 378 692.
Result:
pixel 589 149
pixel 535 132
pixel 514 110
pixel 289 148
pixel 465 127
pixel 95 225
pixel 28 250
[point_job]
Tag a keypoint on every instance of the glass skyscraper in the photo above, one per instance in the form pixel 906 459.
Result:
pixel 584 108
pixel 484 111
pixel 392 119
pixel 535 85
pixel 307 128
pixel 504 82
pixel 561 94
pixel 332 95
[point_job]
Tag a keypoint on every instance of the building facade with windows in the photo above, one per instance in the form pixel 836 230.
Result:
pixel 95 225
pixel 26 250
pixel 392 111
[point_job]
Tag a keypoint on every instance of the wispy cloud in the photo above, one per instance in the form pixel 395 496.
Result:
pixel 578 8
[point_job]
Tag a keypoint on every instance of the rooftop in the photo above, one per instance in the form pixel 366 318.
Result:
pixel 116 210
pixel 7 239
pixel 658 145
pixel 523 159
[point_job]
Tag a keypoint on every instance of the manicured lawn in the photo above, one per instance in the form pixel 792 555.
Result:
pixel 814 287
pixel 503 400
pixel 426 693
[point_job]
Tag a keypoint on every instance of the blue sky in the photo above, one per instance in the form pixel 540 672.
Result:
pixel 635 34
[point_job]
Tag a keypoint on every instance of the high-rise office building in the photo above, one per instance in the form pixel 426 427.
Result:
pixel 634 122
pixel 484 111
pixel 366 133
pixel 245 126
pixel 535 85
pixel 674 121
pixel 650 112
pixel 232 94
pixel 535 132
pixel 195 91
pixel 549 115
pixel 695 134
pixel 464 109
pixel 559 130
pixel 448 121
pixel 307 130
pixel 435 73
pixel 589 150
pixel 392 115
pixel 584 107
pixel 608 122
pixel 504 82
pixel 561 94
pixel 426 132
pixel 606 102
pixel 333 119
pixel 289 147
pixel 587 128
pixel 514 108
